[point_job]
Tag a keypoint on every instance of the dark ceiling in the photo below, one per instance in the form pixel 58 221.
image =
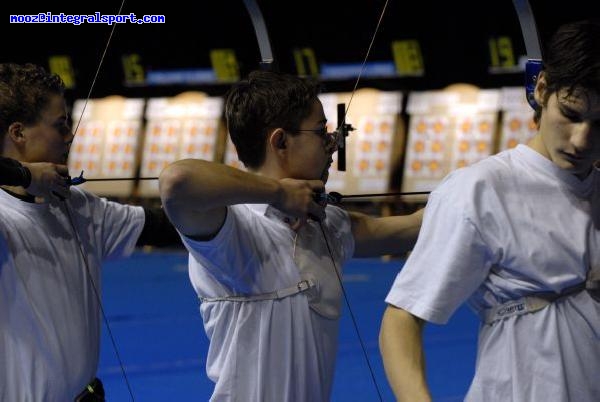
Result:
pixel 453 36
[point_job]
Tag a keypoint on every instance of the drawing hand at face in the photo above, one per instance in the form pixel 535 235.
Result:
pixel 297 199
pixel 48 180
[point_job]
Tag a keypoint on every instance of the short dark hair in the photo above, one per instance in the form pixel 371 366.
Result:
pixel 25 90
pixel 572 58
pixel 263 101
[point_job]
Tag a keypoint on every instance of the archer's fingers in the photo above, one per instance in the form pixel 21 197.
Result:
pixel 317 186
pixel 60 187
pixel 62 170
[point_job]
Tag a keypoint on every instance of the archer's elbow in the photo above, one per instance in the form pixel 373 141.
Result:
pixel 172 183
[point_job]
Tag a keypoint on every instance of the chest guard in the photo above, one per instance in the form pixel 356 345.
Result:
pixel 316 265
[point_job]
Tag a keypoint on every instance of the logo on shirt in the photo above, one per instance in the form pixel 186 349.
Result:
pixel 515 308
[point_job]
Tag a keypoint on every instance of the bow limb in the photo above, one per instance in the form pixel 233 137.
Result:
pixel 533 47
pixel 262 35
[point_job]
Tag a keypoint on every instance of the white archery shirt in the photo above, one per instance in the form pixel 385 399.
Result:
pixel 271 350
pixel 49 313
pixel 508 226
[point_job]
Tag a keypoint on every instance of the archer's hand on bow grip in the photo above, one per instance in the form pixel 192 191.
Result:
pixel 71 181
pixel 296 197
pixel 46 179
pixel 333 198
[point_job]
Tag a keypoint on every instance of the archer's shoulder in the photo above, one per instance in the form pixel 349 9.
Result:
pixel 82 198
pixel 489 172
pixel 81 195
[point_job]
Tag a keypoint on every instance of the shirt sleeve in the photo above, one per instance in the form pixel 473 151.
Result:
pixel 342 229
pixel 235 251
pixel 117 226
pixel 449 262
pixel 122 225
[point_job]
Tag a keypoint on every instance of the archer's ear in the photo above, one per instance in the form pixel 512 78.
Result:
pixel 15 132
pixel 540 89
pixel 277 139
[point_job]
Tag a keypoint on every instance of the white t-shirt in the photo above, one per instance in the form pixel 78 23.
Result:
pixel 510 226
pixel 272 350
pixel 49 312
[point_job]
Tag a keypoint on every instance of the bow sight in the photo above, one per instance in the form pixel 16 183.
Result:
pixel 342 131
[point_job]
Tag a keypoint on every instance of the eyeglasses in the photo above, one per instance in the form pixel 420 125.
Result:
pixel 321 132
pixel 325 135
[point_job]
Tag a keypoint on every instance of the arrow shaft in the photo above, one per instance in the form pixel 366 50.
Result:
pixel 385 194
pixel 122 179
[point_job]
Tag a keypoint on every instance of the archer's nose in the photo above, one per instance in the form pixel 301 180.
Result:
pixel 332 143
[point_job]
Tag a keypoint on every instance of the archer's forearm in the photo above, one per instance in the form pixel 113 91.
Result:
pixel 400 342
pixel 203 185
pixel 13 173
pixel 388 235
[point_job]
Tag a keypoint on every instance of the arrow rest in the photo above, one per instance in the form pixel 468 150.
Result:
pixel 75 181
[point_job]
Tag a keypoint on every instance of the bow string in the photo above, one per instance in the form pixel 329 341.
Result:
pixel 69 214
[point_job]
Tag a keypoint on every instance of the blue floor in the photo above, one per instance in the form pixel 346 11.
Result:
pixel 153 317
